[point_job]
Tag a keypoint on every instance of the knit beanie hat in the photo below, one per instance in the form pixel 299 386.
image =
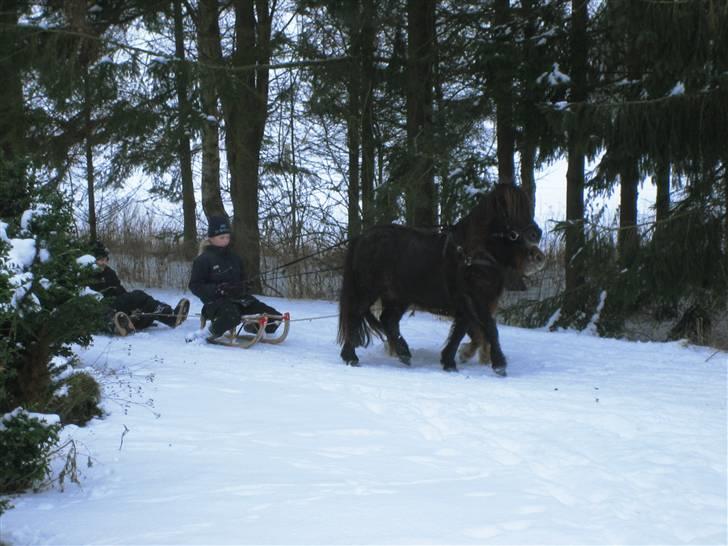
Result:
pixel 99 250
pixel 217 225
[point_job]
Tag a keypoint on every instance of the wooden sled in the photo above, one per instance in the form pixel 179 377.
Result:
pixel 237 337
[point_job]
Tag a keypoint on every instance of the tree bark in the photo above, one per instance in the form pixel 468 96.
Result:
pixel 12 119
pixel 528 167
pixel 353 122
pixel 662 200
pixel 503 92
pixel 367 118
pixel 448 196
pixel 421 193
pixel 576 144
pixel 14 188
pixel 89 154
pixel 210 53
pixel 185 156
pixel 33 379
pixel 628 239
pixel 244 100
pixel 528 146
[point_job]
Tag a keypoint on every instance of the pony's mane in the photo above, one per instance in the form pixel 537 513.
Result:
pixel 508 200
pixel 505 202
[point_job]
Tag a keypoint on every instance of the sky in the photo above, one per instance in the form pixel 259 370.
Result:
pixel 587 441
pixel 551 196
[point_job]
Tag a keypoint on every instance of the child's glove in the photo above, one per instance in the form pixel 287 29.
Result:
pixel 232 289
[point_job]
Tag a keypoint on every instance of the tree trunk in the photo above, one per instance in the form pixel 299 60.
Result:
pixel 367 118
pixel 12 119
pixel 208 43
pixel 245 108
pixel 725 214
pixel 421 193
pixel 448 194
pixel 185 156
pixel 528 167
pixel 353 124
pixel 503 92
pixel 88 150
pixel 529 107
pixel 30 386
pixel 662 200
pixel 14 189
pixel 296 228
pixel 574 263
pixel 628 240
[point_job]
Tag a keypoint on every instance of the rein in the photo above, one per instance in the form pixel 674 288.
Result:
pixel 467 260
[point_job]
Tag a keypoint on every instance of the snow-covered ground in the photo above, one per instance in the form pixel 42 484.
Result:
pixel 588 441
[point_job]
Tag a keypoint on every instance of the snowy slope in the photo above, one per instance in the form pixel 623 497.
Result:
pixel 588 441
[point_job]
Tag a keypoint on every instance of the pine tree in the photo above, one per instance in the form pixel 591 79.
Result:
pixel 41 287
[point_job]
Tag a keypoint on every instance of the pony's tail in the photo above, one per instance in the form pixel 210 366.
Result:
pixel 356 322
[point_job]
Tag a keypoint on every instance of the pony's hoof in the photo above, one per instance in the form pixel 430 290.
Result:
pixel 451 368
pixel 353 363
pixel 500 371
pixel 405 360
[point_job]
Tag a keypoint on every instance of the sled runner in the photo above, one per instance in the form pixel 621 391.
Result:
pixel 252 330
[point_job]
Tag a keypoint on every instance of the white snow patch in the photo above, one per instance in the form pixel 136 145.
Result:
pixel 21 254
pixel 554 77
pixel 47 418
pixel 86 259
pixel 678 90
pixel 32 213
pixel 86 291
pixel 588 440
pixel 591 328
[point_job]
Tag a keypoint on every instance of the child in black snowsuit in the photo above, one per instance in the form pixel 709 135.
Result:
pixel 135 310
pixel 218 279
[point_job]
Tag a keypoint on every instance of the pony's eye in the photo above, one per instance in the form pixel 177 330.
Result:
pixel 513 235
pixel 533 235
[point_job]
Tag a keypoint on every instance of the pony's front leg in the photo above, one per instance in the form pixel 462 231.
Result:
pixel 490 330
pixel 447 357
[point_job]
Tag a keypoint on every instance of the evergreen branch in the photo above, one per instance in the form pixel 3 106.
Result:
pixel 617 104
pixel 169 58
pixel 650 224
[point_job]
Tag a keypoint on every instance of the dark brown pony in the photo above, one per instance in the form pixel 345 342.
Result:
pixel 461 273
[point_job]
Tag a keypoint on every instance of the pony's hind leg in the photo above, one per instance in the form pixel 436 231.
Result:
pixel 348 354
pixel 390 317
pixel 477 344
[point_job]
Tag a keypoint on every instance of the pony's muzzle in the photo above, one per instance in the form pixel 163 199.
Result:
pixel 536 260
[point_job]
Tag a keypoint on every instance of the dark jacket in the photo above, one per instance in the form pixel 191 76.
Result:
pixel 107 283
pixel 212 268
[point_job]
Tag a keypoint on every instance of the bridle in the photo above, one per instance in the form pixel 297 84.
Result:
pixel 531 234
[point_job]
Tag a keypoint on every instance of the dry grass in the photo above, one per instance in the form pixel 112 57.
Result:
pixel 145 254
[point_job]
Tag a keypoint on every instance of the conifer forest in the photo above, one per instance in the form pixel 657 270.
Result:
pixel 308 121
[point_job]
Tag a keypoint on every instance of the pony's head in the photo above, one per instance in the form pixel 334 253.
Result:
pixel 503 224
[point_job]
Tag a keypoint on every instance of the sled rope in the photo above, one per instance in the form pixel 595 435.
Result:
pixel 314 318
pixel 200 314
